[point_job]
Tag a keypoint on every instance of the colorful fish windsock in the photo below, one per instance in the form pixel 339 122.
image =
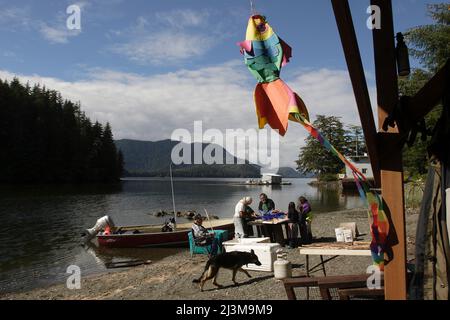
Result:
pixel 265 54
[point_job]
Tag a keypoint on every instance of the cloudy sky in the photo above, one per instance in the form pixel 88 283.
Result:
pixel 151 67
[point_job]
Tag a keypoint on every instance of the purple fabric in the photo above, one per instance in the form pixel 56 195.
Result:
pixel 306 208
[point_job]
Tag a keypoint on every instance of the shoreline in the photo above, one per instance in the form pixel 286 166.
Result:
pixel 171 278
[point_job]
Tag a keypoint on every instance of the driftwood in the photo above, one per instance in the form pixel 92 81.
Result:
pixel 126 264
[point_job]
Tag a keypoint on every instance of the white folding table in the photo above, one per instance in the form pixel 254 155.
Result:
pixel 333 252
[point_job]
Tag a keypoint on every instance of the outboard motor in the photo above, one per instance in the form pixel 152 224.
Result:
pixel 170 226
pixel 101 224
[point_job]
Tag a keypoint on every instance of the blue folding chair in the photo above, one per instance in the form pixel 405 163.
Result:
pixel 220 235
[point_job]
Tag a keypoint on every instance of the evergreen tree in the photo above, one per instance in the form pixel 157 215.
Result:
pixel 120 166
pixel 430 44
pixel 108 155
pixel 314 158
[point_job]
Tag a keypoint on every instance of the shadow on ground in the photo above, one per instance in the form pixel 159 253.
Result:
pixel 247 283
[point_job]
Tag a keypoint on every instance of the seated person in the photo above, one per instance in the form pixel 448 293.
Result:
pixel 203 237
pixel 266 205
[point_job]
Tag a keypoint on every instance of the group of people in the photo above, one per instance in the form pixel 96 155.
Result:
pixel 299 214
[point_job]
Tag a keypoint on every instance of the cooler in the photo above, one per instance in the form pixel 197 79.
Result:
pixel 266 252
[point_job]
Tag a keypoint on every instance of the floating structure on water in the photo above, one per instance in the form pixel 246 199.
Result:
pixel 268 179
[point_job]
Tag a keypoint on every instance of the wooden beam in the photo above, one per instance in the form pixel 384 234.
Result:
pixel 355 67
pixel 391 160
pixel 429 96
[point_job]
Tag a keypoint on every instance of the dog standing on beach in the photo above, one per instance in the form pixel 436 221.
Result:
pixel 233 261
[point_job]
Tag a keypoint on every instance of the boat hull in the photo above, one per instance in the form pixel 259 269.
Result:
pixel 160 239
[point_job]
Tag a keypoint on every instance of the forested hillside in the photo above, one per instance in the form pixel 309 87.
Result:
pixel 47 139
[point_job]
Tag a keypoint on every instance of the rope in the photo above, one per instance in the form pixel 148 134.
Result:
pixel 252 8
pixel 379 226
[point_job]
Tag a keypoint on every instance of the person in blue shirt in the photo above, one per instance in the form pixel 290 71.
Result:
pixel 266 205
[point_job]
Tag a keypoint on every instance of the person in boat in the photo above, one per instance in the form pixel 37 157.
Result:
pixel 266 205
pixel 243 213
pixel 203 237
pixel 306 220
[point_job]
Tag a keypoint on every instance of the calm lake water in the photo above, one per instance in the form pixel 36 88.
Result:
pixel 41 225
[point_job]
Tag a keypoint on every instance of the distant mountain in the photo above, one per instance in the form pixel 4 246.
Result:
pixel 288 172
pixel 152 159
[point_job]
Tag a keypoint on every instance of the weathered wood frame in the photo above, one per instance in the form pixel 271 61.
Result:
pixel 385 147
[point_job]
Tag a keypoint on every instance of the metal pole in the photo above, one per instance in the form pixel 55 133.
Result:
pixel 173 197
pixel 207 216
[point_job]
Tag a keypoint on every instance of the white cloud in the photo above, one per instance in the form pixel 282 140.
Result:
pixel 58 34
pixel 15 17
pixel 327 92
pixel 183 18
pixel 166 47
pixel 55 32
pixel 152 107
pixel 170 37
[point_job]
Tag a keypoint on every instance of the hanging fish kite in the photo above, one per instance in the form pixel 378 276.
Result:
pixel 265 54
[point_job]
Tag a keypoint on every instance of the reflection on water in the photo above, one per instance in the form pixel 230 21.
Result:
pixel 41 225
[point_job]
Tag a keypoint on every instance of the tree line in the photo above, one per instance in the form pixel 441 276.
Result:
pixel 47 139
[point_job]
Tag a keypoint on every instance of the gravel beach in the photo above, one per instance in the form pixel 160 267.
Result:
pixel 171 278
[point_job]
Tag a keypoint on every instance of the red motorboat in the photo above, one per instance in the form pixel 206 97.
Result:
pixel 151 235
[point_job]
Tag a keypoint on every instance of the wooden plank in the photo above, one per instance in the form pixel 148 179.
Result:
pixel 348 281
pixel 345 294
pixel 298 282
pixel 336 252
pixel 391 158
pixel 356 69
pixel 429 96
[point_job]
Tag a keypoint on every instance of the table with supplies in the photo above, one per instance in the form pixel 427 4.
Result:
pixel 272 228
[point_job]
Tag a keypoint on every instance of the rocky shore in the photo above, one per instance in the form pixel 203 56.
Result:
pixel 171 278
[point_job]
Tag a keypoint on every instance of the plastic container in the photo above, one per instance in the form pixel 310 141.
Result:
pixel 266 252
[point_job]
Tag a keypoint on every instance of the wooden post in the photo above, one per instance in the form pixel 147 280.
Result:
pixel 349 41
pixel 391 153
